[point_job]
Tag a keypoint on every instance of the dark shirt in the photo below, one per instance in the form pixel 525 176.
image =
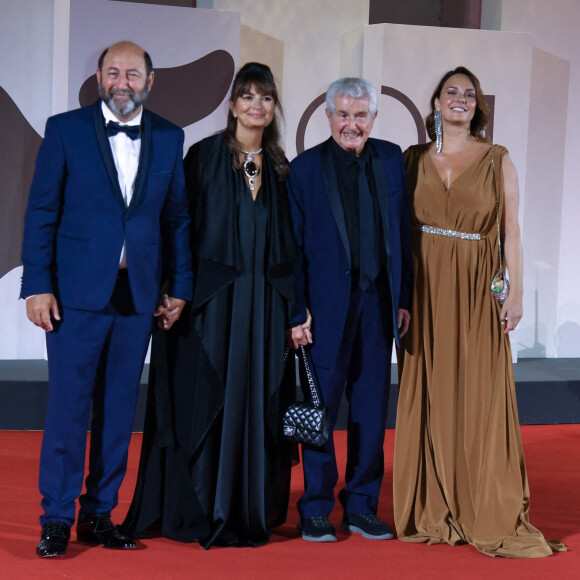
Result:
pixel 347 169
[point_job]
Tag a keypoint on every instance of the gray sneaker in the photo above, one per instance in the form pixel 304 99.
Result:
pixel 317 529
pixel 368 525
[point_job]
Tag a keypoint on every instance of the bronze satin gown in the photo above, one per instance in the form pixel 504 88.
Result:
pixel 459 471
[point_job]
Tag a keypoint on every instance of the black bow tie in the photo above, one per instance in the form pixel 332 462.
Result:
pixel 132 131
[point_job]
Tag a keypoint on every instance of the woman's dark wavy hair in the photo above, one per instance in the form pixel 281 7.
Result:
pixel 481 116
pixel 260 77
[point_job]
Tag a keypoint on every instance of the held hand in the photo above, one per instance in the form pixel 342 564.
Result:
pixel 511 312
pixel 301 334
pixel 162 305
pixel 403 321
pixel 168 311
pixel 41 308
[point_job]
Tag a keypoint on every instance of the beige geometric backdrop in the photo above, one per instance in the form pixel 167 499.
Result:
pixel 528 59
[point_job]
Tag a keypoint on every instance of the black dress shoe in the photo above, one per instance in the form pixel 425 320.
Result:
pixel 101 530
pixel 53 540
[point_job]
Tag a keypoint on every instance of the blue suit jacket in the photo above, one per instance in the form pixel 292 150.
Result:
pixel 77 221
pixel 323 281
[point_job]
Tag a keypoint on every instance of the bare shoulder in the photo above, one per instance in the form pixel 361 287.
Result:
pixel 510 175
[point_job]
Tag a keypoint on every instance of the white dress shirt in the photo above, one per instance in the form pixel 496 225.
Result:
pixel 126 155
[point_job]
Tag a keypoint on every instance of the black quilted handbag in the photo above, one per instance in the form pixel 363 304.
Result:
pixel 305 422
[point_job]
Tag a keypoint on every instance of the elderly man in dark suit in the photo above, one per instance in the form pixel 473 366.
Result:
pixel 107 221
pixel 350 211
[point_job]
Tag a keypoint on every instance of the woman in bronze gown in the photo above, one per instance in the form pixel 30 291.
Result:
pixel 459 472
pixel 212 465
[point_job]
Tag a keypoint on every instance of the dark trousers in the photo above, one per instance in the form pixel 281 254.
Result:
pixel 92 357
pixel 363 368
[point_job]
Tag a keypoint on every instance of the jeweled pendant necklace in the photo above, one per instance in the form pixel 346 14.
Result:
pixel 251 169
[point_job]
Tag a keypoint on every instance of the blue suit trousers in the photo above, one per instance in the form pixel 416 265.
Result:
pixel 93 357
pixel 363 368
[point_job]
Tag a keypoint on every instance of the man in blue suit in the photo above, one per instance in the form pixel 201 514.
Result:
pixel 107 221
pixel 350 211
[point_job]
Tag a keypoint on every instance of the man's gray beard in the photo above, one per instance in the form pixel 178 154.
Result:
pixel 134 102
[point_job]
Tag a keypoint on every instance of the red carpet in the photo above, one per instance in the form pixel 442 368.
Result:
pixel 554 472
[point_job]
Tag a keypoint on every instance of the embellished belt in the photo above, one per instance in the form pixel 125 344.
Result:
pixel 447 233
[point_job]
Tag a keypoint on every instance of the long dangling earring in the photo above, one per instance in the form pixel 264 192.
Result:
pixel 438 130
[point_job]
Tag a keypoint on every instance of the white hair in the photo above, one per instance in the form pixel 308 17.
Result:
pixel 354 87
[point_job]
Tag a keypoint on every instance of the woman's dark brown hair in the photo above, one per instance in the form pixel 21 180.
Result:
pixel 481 116
pixel 259 76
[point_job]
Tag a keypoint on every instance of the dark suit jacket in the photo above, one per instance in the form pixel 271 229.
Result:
pixel 77 221
pixel 323 281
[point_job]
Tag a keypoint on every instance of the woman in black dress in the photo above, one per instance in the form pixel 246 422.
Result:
pixel 212 466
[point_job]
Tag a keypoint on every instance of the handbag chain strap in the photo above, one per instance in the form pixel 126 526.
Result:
pixel 311 384
pixel 496 208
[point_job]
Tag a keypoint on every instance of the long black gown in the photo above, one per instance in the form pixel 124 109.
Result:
pixel 213 468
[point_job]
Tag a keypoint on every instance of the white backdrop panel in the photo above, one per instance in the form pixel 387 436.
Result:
pixel 173 36
pixel 414 58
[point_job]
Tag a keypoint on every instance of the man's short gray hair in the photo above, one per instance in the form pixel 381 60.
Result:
pixel 354 87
